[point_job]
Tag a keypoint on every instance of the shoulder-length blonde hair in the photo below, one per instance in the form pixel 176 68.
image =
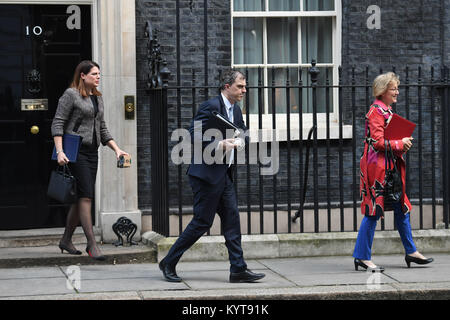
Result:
pixel 84 67
pixel 381 83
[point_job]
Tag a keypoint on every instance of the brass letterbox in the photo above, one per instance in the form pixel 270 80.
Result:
pixel 34 104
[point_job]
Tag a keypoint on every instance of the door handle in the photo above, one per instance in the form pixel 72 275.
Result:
pixel 34 130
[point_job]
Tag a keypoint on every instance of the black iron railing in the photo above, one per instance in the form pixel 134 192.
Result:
pixel 333 187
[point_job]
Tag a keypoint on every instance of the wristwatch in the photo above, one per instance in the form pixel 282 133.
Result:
pixel 59 151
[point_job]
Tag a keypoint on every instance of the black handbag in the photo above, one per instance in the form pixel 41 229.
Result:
pixel 393 186
pixel 62 185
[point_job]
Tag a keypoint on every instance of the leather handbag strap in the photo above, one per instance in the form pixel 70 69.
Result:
pixel 387 160
pixel 389 156
pixel 65 170
pixel 392 157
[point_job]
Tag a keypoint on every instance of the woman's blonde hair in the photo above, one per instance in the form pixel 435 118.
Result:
pixel 381 83
pixel 77 83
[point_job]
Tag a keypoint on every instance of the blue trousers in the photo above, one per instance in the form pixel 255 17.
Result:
pixel 363 246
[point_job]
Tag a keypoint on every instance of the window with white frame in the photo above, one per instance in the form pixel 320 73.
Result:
pixel 271 40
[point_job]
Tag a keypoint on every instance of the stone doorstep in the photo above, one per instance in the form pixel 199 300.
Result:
pixel 39 247
pixel 212 248
pixel 40 237
pixel 51 255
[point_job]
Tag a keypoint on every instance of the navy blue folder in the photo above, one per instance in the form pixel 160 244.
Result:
pixel 218 121
pixel 71 146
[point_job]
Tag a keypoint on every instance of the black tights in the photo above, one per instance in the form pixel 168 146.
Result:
pixel 80 212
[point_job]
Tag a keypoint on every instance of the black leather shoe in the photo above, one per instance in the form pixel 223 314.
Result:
pixel 245 276
pixel 366 267
pixel 169 272
pixel 409 259
pixel 97 255
pixel 63 247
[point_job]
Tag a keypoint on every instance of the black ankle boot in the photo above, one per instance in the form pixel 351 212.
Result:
pixel 169 272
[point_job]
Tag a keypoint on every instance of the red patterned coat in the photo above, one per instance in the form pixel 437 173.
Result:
pixel 372 164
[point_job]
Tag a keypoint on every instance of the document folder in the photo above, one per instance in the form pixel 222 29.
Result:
pixel 398 128
pixel 71 146
pixel 218 121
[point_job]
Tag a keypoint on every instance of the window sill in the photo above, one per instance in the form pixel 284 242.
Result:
pixel 281 134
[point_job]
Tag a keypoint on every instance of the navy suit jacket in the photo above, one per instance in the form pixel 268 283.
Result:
pixel 212 173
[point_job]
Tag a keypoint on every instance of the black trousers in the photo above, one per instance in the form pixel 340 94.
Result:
pixel 209 199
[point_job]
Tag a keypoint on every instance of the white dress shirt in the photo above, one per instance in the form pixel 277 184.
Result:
pixel 230 108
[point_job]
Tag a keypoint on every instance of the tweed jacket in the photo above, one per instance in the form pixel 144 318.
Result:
pixel 75 115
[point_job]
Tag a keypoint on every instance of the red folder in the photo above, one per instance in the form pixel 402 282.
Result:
pixel 398 128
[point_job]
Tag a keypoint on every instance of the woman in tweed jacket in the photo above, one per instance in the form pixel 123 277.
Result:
pixel 80 111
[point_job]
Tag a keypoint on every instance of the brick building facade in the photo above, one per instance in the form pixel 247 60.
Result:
pixel 412 34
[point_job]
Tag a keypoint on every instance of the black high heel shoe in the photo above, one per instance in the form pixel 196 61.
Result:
pixel 363 265
pixel 99 257
pixel 69 250
pixel 409 259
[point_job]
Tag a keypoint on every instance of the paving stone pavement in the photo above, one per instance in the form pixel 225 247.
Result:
pixel 315 278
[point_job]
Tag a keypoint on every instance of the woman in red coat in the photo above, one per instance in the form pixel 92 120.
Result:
pixel 372 165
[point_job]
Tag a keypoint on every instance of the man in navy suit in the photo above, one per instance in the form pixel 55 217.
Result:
pixel 213 186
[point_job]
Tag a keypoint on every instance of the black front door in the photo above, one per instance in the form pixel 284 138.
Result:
pixel 40 46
